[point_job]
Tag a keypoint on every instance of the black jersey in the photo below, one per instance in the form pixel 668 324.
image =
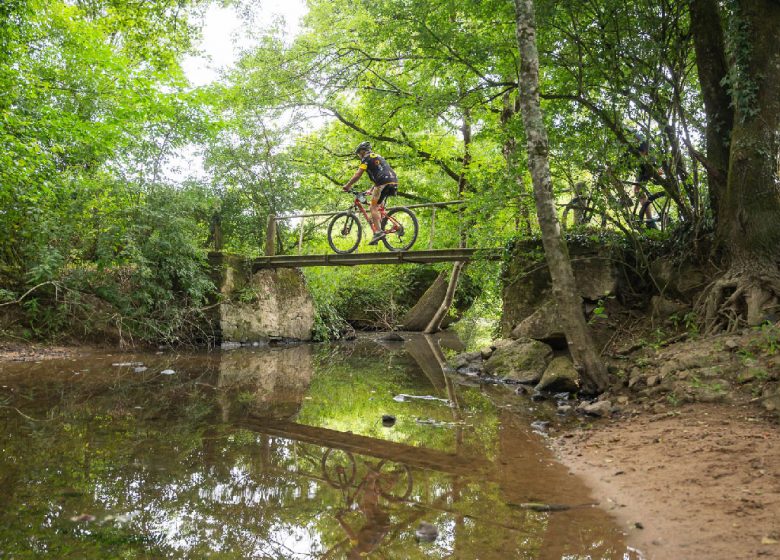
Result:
pixel 379 171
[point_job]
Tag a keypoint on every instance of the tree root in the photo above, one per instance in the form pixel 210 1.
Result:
pixel 739 299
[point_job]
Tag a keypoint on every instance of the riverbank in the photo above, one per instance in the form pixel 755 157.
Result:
pixel 689 461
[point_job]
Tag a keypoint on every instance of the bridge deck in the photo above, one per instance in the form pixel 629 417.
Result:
pixel 400 257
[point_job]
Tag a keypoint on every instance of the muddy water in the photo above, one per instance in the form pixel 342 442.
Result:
pixel 283 454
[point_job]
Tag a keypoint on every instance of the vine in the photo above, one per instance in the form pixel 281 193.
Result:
pixel 740 84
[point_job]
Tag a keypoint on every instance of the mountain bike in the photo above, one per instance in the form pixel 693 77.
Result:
pixel 398 223
pixel 651 210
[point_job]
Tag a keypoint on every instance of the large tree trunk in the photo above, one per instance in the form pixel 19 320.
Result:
pixel 583 351
pixel 712 67
pixel 748 226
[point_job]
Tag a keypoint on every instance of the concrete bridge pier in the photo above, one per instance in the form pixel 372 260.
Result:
pixel 259 306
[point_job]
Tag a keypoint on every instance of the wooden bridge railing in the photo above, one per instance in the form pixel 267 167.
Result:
pixel 270 238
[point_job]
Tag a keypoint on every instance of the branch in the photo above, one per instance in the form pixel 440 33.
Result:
pixel 28 292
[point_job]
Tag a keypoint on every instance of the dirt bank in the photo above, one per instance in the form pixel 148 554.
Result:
pixel 689 461
pixel 702 481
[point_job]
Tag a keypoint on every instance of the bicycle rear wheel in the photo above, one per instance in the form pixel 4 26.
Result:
pixel 654 213
pixel 400 227
pixel 344 233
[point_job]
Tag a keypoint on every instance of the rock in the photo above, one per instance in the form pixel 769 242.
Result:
pixel 392 337
pixel 652 380
pixel 486 352
pixel 167 372
pixel 731 344
pixel 426 532
pixel 501 342
pixel 543 324
pixel 540 425
pixel 663 308
pixel 523 360
pixel 771 401
pixel 465 359
pixel 635 379
pixel 469 371
pixel 622 400
pixel 388 420
pixel 599 408
pixel 564 409
pixel 560 375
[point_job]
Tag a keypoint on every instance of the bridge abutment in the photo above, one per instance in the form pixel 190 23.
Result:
pixel 260 305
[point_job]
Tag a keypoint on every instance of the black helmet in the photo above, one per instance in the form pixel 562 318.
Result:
pixel 363 146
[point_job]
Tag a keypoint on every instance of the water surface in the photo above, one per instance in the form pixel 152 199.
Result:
pixel 281 453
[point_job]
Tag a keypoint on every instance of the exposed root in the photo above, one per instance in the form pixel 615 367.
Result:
pixel 739 299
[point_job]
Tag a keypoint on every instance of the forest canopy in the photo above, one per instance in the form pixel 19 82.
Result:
pixel 675 98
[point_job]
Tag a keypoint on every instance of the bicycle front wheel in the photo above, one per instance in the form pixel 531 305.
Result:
pixel 344 233
pixel 400 227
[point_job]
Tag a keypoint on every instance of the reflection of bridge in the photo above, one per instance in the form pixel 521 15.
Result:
pixel 419 457
pixel 400 257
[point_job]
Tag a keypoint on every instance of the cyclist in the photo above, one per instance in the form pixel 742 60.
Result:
pixel 643 175
pixel 385 184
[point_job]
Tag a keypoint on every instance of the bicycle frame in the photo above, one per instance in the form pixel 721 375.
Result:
pixel 357 206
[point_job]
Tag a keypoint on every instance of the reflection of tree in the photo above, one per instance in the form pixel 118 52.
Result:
pixel 153 446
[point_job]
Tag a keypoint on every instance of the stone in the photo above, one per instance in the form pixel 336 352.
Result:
pixel 652 380
pixel 663 308
pixel 264 305
pixel 463 360
pixel 731 344
pixel 543 324
pixel 526 280
pixel 524 361
pixel 560 375
pixel 486 352
pixel 598 408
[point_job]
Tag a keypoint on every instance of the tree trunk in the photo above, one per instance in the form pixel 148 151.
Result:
pixel 748 217
pixel 583 351
pixel 712 67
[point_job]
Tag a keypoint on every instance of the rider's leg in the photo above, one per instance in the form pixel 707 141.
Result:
pixel 376 221
pixel 376 218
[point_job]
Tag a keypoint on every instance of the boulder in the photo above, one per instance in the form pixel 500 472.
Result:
pixel 524 360
pixel 662 308
pixel 560 375
pixel 543 324
pixel 598 408
pixel 527 284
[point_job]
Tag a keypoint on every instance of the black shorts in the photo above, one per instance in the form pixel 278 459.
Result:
pixel 390 189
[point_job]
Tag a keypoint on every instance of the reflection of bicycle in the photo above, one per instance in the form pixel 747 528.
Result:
pixel 399 224
pixel 393 480
pixel 364 519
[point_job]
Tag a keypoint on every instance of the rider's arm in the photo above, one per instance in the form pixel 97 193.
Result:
pixel 358 174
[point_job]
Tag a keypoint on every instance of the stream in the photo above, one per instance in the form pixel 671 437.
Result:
pixel 362 449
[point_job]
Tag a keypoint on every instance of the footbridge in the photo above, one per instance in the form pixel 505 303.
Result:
pixel 422 253
pixel 385 257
